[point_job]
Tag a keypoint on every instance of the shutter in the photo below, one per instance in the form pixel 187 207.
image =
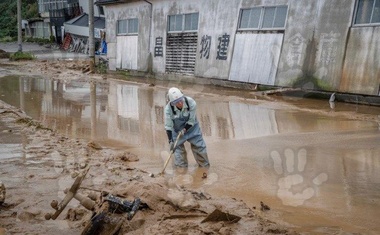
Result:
pixel 181 51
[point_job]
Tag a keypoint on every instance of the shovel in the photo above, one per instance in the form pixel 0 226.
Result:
pixel 171 152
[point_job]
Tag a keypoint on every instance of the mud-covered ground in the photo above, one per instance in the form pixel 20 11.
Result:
pixel 50 163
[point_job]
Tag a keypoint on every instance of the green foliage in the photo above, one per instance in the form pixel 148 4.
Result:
pixel 21 56
pixel 101 68
pixel 37 40
pixel 8 39
pixel 8 16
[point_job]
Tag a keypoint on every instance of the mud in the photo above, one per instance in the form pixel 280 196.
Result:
pixel 33 181
pixel 49 163
pixel 339 141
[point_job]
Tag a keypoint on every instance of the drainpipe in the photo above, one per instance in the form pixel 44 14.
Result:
pixel 150 59
pixel 151 21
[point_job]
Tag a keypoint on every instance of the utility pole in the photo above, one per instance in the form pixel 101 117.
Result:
pixel 91 39
pixel 19 26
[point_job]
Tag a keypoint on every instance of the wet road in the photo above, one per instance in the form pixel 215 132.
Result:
pixel 316 165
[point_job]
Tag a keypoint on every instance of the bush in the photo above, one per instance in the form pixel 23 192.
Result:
pixel 37 40
pixel 21 56
pixel 8 39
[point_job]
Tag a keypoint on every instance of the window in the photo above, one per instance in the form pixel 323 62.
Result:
pixel 261 18
pixel 101 10
pixel 367 12
pixel 46 5
pixel 129 26
pixel 184 22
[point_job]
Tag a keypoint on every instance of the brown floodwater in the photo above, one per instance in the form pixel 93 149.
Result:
pixel 314 163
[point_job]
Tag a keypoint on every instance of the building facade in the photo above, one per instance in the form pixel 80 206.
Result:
pixel 331 45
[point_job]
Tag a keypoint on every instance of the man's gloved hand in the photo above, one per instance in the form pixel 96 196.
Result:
pixel 182 132
pixel 171 144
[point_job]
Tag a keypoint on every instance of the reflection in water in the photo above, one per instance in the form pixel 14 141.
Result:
pixel 240 136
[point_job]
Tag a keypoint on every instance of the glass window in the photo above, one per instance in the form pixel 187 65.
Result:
pixel 184 22
pixel 129 26
pixel 101 10
pixel 132 26
pixel 191 21
pixel 250 18
pixel 244 20
pixel 279 20
pixel 263 18
pixel 376 13
pixel 363 14
pixel 121 27
pixel 268 17
pixel 255 18
pixel 175 23
pixel 367 12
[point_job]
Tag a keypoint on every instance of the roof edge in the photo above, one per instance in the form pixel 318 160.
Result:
pixel 110 2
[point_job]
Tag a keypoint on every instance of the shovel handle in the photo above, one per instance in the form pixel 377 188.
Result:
pixel 172 151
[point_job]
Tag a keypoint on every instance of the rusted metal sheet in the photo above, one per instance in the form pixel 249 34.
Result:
pixel 126 54
pixel 255 58
pixel 181 50
pixel 361 71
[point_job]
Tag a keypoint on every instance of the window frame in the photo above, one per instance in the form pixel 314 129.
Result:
pixel 183 23
pixel 354 24
pixel 127 32
pixel 261 18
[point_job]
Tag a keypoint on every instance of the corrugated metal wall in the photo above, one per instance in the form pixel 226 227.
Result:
pixel 361 71
pixel 126 54
pixel 255 58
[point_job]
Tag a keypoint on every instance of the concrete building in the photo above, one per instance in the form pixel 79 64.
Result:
pixel 331 45
pixel 55 12
pixel 68 21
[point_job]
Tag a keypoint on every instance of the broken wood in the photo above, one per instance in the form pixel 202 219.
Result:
pixel 218 215
pixel 70 195
pixel 183 216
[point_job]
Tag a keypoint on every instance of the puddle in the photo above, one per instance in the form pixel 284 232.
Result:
pixel 10 142
pixel 317 167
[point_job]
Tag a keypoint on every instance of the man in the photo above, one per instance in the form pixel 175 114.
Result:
pixel 180 117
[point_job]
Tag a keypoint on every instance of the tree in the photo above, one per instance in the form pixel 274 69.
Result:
pixel 8 17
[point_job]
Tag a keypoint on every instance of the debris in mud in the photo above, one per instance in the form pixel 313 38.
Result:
pixel 129 157
pixel 94 145
pixel 30 122
pixel 104 209
pixel 89 68
pixel 218 215
pixel 70 194
pixel 111 214
pixel 2 193
pixel 264 207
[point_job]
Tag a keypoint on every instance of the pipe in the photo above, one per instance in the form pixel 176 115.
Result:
pixel 151 22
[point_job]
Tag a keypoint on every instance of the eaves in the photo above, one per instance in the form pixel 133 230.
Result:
pixel 111 2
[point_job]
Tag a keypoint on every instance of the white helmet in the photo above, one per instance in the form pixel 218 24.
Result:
pixel 175 95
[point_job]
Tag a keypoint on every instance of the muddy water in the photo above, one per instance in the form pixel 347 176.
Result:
pixel 315 164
